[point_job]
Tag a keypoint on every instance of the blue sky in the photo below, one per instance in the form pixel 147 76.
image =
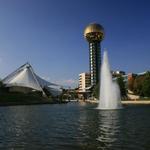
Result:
pixel 49 35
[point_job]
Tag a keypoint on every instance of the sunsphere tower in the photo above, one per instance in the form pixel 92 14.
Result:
pixel 94 34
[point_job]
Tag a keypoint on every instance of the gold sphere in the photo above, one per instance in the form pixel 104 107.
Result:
pixel 94 32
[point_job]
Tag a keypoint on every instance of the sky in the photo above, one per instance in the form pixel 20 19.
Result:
pixel 49 35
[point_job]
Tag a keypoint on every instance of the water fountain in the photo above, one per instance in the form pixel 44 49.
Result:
pixel 109 90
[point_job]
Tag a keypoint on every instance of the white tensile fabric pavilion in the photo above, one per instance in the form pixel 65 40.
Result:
pixel 25 76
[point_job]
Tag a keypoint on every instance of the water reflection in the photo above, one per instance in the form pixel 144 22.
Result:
pixel 74 126
pixel 99 129
pixel 109 128
pixel 88 124
pixel 22 126
pixel 15 125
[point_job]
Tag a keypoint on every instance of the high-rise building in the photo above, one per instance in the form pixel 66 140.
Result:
pixel 94 34
pixel 84 81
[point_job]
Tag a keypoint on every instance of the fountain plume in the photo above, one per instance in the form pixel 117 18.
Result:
pixel 109 90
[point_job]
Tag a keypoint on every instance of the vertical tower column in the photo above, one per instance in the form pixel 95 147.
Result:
pixel 95 61
pixel 94 34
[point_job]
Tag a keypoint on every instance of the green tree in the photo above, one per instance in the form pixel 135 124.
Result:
pixel 47 92
pixel 3 89
pixel 137 87
pixel 122 86
pixel 1 84
pixel 96 91
pixel 141 84
pixel 145 90
pixel 131 84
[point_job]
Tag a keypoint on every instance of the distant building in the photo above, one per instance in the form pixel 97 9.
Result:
pixel 131 76
pixel 84 81
pixel 118 73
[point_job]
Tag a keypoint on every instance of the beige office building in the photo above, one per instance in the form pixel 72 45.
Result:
pixel 84 81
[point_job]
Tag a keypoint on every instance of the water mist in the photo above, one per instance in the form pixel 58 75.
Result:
pixel 109 90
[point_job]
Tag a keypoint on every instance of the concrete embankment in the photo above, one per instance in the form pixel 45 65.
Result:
pixel 145 102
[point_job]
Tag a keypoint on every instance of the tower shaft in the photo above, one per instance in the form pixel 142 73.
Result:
pixel 94 34
pixel 95 61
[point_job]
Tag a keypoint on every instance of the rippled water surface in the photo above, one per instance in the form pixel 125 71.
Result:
pixel 74 126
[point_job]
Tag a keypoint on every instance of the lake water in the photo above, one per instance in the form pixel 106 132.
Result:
pixel 74 126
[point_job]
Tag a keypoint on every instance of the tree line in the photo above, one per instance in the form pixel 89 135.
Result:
pixel 140 84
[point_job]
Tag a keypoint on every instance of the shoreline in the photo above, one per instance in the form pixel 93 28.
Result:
pixel 15 99
pixel 124 102
pixel 27 103
pixel 140 102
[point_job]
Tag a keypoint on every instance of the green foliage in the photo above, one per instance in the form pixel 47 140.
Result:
pixel 64 95
pixel 122 86
pixel 96 91
pixel 47 92
pixel 21 98
pixel 146 85
pixel 68 94
pixel 1 84
pixel 15 98
pixel 3 89
pixel 137 86
pixel 142 85
pixel 131 84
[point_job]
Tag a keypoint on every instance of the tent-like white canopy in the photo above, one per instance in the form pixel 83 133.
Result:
pixel 24 76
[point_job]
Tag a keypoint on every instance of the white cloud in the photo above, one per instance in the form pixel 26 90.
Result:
pixel 46 78
pixel 70 81
pixel 63 82
pixel 67 82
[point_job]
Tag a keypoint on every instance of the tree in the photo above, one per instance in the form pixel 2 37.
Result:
pixel 142 85
pixel 3 89
pixel 146 88
pixel 146 85
pixel 131 84
pixel 96 91
pixel 122 86
pixel 137 86
pixel 1 84
pixel 47 92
